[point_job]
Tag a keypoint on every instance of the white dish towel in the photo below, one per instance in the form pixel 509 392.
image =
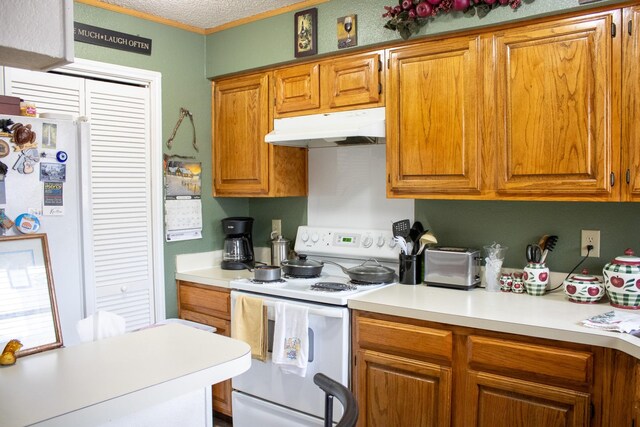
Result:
pixel 291 338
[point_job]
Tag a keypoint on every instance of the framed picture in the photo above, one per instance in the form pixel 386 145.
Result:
pixel 306 33
pixel 347 31
pixel 28 306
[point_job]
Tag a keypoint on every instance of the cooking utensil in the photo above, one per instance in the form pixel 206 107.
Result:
pixel 534 253
pixel 426 239
pixel 415 231
pixel 402 243
pixel 549 245
pixel 267 273
pixel 368 273
pixel 279 248
pixel 401 228
pixel 302 267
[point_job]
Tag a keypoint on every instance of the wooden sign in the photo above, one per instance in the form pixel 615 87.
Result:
pixel 112 39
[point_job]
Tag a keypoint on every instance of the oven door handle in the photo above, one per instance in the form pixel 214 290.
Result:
pixel 323 312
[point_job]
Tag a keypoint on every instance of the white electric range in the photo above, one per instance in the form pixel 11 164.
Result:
pixel 347 247
pixel 266 396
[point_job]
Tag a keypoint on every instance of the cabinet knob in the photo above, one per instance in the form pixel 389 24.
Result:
pixel 123 289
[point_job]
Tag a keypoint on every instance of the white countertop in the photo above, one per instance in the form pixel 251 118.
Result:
pixel 97 381
pixel 550 316
pixel 204 268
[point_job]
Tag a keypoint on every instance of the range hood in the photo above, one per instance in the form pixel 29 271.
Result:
pixel 365 126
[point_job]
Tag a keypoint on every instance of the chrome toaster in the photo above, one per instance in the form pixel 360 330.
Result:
pixel 450 267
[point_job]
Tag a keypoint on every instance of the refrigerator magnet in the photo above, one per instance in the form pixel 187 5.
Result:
pixel 4 148
pixel 27 223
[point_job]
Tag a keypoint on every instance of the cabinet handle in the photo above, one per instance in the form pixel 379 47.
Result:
pixel 613 29
pixel 380 63
pixel 630 26
pixel 379 88
pixel 612 178
pixel 628 176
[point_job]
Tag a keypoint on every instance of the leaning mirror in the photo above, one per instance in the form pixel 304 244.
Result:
pixel 28 310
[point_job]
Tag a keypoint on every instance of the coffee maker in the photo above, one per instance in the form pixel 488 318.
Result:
pixel 238 245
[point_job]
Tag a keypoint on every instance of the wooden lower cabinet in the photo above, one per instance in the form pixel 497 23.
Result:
pixel 210 306
pixel 399 391
pixel 410 372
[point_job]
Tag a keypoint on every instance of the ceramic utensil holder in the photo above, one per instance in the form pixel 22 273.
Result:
pixel 536 277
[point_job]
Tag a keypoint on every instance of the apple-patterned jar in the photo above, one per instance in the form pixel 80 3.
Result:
pixel 622 280
pixel 536 277
pixel 506 282
pixel 517 284
pixel 583 288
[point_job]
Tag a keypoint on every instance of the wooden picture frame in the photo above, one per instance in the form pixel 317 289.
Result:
pixel 305 35
pixel 28 308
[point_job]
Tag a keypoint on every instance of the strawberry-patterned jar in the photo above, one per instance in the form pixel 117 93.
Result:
pixel 583 288
pixel 622 280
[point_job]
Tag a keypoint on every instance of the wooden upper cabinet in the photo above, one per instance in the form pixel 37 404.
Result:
pixel 434 107
pixel 352 81
pixel 240 122
pixel 297 88
pixel 244 165
pixel 344 83
pixel 557 122
pixel 630 32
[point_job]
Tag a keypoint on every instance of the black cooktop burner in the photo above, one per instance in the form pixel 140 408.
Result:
pixel 267 282
pixel 294 276
pixel 361 283
pixel 332 287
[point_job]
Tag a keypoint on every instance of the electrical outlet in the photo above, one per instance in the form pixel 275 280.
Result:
pixel 590 237
pixel 276 225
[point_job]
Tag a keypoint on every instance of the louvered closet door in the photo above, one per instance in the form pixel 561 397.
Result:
pixel 51 93
pixel 120 200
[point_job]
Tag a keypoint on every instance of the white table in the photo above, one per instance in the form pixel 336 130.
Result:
pixel 95 382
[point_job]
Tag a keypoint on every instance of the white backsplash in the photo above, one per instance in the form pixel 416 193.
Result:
pixel 347 188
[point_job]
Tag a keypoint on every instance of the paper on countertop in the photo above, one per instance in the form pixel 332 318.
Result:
pixel 614 321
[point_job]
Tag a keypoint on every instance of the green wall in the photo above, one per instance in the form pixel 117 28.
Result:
pixel 270 41
pixel 179 55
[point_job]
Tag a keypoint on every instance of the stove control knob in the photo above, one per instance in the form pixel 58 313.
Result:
pixel 367 242
pixel 305 236
pixel 315 237
pixel 381 241
pixel 392 244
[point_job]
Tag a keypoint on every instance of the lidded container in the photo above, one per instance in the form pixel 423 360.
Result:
pixel 583 288
pixel 279 249
pixel 622 280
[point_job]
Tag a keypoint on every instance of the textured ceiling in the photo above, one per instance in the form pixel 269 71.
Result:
pixel 202 13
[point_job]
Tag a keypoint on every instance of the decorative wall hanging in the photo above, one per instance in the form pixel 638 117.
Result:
pixel 347 31
pixel 410 15
pixel 306 33
pixel 183 112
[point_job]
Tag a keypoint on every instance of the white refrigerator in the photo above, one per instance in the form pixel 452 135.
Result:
pixel 32 186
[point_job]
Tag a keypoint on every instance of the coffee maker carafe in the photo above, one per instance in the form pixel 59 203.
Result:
pixel 238 244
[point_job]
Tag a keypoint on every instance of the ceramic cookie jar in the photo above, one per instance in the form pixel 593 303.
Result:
pixel 583 288
pixel 622 280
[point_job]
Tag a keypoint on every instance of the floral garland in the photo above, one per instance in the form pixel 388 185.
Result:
pixel 410 15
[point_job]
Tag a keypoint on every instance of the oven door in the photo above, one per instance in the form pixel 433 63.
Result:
pixel 328 353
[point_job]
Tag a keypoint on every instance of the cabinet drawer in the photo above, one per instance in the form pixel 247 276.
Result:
pixel 392 337
pixel 208 301
pixel 223 327
pixel 513 357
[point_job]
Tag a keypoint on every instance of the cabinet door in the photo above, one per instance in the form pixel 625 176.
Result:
pixel 240 122
pixel 497 401
pixel 396 391
pixel 631 103
pixel 352 81
pixel 433 115
pixel 297 89
pixel 557 91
